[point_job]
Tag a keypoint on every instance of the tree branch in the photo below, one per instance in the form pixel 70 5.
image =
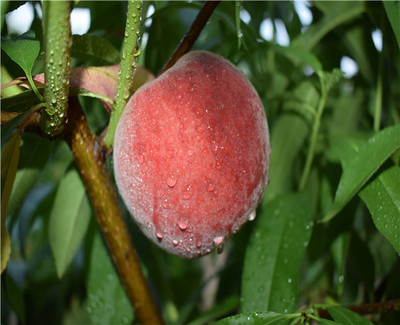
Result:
pixel 192 33
pixel 101 192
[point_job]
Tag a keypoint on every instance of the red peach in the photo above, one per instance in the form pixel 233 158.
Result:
pixel 191 154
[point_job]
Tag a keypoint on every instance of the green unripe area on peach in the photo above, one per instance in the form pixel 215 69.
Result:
pixel 191 154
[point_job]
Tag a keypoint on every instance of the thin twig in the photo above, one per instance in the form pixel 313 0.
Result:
pixel 192 33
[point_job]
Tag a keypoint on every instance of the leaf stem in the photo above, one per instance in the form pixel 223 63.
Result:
pixel 130 54
pixel 314 136
pixel 100 189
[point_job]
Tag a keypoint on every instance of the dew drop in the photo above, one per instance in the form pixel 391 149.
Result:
pixel 182 225
pixel 218 240
pixel 210 187
pixel 175 242
pixel 289 280
pixel 198 244
pixel 252 215
pixel 171 181
pixel 159 235
pixel 187 194
pixel 190 152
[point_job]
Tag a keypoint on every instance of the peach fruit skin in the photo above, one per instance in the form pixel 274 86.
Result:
pixel 191 154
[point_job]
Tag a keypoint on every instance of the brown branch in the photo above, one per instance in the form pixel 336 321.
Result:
pixel 101 192
pixel 192 33
pixel 368 308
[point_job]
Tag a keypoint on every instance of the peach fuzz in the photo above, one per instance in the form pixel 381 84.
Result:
pixel 191 154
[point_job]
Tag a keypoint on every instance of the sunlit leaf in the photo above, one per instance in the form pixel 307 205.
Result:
pixel 360 164
pixel 23 50
pixel 69 220
pixel 274 255
pixel 9 165
pixel 382 197
pixel 107 303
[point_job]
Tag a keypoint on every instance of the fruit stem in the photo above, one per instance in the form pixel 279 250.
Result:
pixel 192 33
pixel 130 54
pixel 57 46
pixel 91 165
pixel 314 136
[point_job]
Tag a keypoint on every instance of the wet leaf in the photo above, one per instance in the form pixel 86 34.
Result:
pixel 69 220
pixel 360 163
pixel 107 300
pixel 382 197
pixel 274 255
pixel 257 319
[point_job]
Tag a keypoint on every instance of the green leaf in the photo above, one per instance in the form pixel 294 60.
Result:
pixel 382 197
pixel 335 14
pixel 360 164
pixel 69 220
pixel 107 300
pixel 34 153
pixel 9 165
pixel 287 139
pixel 347 317
pixel 275 254
pixel 393 12
pixel 23 50
pixel 95 48
pixel 258 319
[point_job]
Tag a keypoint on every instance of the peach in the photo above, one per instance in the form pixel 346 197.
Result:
pixel 191 154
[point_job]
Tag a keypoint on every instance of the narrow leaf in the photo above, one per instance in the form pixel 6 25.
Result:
pixel 393 12
pixel 107 302
pixel 275 254
pixel 34 153
pixel 382 197
pixel 287 139
pixel 347 317
pixel 257 319
pixel 9 165
pixel 69 219
pixel 361 163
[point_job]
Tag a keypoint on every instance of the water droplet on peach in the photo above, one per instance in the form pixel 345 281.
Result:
pixel 182 225
pixel 252 215
pixel 171 181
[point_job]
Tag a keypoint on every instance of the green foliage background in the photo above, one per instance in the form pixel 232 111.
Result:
pixel 327 232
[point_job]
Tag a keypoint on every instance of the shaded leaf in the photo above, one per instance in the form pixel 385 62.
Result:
pixel 360 164
pixel 274 255
pixel 34 153
pixel 95 48
pixel 347 317
pixel 69 219
pixel 393 12
pixel 107 300
pixel 9 165
pixel 382 197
